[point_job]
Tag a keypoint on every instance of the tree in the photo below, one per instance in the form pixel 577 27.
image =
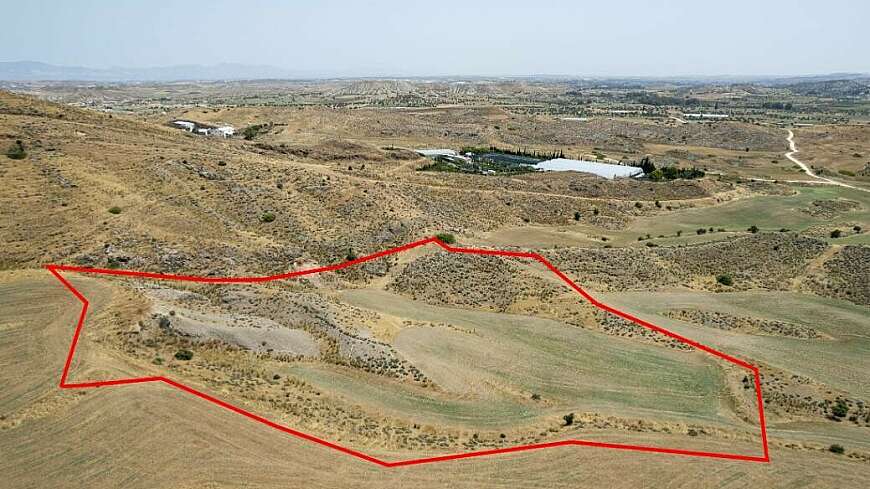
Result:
pixel 725 279
pixel 183 355
pixel 569 419
pixel 840 409
pixel 577 215
pixel 836 448
pixel 351 256
pixel 16 151
pixel 647 165
pixel 446 238
pixel 836 233
pixel 753 229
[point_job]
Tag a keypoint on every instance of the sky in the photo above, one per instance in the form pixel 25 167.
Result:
pixel 448 37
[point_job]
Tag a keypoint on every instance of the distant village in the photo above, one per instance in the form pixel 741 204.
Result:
pixel 204 129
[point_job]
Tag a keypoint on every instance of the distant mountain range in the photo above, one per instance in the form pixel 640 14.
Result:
pixel 36 71
pixel 12 71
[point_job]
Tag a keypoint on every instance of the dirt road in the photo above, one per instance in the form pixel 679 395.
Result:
pixel 790 155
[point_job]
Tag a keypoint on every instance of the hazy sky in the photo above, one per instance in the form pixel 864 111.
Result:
pixel 447 37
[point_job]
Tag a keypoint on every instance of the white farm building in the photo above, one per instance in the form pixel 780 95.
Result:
pixel 606 170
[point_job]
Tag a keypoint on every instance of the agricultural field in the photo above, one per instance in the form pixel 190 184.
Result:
pixel 428 352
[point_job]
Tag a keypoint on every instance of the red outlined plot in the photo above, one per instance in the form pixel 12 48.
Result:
pixel 65 384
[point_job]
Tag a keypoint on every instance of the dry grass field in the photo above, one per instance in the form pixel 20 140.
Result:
pixel 425 352
pixel 841 151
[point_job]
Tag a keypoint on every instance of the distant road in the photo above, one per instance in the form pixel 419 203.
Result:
pixel 790 155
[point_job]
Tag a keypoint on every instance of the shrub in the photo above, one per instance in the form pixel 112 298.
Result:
pixel 725 279
pixel 536 397
pixel 836 448
pixel 840 409
pixel 638 205
pixel 16 151
pixel 836 233
pixel 351 256
pixel 255 130
pixel 569 419
pixel 701 231
pixel 267 217
pixel 857 229
pixel 114 210
pixel 753 229
pixel 446 238
pixel 183 355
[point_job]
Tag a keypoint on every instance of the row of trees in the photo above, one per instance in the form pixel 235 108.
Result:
pixel 515 152
pixel 667 172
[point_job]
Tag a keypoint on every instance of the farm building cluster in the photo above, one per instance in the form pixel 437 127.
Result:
pixel 205 129
pixel 494 161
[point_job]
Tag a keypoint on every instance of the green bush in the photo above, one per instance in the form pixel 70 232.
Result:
pixel 725 279
pixel 446 238
pixel 267 217
pixel 183 355
pixel 16 151
pixel 840 409
pixel 114 210
pixel 255 130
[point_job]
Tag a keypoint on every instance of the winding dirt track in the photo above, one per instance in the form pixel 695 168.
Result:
pixel 790 155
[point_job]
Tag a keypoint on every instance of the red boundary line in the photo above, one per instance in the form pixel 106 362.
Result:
pixel 64 384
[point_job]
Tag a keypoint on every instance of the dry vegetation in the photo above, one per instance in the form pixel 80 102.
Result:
pixel 425 352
